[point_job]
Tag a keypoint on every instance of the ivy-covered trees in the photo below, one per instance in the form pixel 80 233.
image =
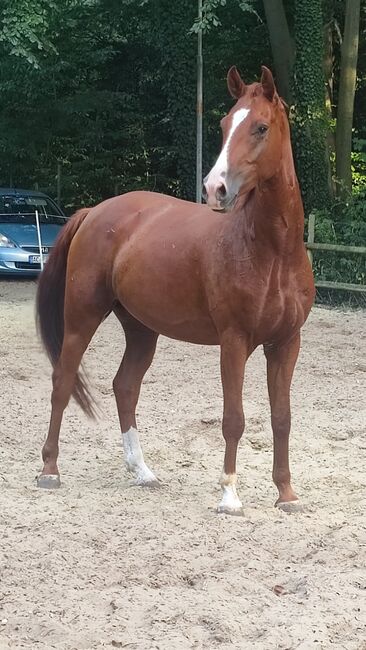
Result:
pixel 346 96
pixel 309 115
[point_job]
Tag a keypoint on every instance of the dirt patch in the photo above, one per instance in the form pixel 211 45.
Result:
pixel 100 564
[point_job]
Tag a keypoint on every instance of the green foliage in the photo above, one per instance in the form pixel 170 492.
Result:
pixel 210 17
pixel 24 28
pixel 358 160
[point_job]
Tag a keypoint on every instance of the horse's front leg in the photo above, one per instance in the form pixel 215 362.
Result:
pixel 281 362
pixel 234 353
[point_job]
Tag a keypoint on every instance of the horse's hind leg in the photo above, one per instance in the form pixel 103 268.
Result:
pixel 139 353
pixel 81 322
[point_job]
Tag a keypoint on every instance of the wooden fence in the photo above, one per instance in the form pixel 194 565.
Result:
pixel 311 246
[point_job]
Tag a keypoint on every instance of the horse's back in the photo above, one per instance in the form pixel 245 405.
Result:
pixel 143 205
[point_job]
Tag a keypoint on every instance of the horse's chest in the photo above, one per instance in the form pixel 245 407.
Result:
pixel 271 307
pixel 280 315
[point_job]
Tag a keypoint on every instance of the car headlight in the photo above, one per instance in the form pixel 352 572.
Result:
pixel 5 242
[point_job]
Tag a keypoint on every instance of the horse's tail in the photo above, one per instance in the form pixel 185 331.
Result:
pixel 50 304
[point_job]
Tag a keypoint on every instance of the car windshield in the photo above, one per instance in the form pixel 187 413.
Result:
pixel 22 209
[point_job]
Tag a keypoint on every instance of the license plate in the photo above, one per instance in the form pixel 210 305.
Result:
pixel 36 259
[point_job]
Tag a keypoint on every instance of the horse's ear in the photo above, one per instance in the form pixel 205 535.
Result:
pixel 235 83
pixel 268 84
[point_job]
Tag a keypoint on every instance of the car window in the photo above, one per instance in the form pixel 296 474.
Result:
pixel 22 209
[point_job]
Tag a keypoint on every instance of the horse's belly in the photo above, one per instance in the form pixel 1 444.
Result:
pixel 173 306
pixel 192 331
pixel 192 328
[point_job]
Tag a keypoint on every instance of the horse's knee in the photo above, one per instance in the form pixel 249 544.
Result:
pixel 233 425
pixel 281 425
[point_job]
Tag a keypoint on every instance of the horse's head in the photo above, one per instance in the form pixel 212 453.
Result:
pixel 252 135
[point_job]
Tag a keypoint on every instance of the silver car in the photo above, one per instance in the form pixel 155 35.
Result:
pixel 20 252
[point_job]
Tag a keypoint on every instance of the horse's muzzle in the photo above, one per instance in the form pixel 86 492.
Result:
pixel 217 196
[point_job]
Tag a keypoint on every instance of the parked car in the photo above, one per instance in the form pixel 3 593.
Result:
pixel 19 244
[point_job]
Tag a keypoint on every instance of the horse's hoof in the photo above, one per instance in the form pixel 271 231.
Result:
pixel 48 481
pixel 225 510
pixel 152 484
pixel 291 507
pixel 148 482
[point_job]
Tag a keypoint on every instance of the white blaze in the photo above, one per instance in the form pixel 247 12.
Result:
pixel 217 172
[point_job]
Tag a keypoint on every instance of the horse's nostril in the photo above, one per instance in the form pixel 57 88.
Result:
pixel 221 192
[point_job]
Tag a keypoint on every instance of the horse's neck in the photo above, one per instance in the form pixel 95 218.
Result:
pixel 275 210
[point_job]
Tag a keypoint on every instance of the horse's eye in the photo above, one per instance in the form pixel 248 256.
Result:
pixel 262 129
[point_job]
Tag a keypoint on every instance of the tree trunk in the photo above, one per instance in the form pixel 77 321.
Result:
pixel 328 65
pixel 282 46
pixel 310 118
pixel 347 87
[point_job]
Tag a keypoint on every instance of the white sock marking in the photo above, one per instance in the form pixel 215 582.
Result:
pixel 230 499
pixel 135 459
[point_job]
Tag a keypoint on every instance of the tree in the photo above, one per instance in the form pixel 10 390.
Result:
pixel 346 96
pixel 282 46
pixel 310 119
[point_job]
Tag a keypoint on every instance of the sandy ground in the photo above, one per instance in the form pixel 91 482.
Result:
pixel 100 564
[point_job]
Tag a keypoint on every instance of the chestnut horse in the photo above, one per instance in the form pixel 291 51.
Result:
pixel 233 273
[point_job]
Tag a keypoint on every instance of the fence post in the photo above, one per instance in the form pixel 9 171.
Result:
pixel 59 184
pixel 199 110
pixel 311 235
pixel 39 239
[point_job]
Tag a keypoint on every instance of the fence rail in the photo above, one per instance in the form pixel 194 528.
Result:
pixel 311 246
